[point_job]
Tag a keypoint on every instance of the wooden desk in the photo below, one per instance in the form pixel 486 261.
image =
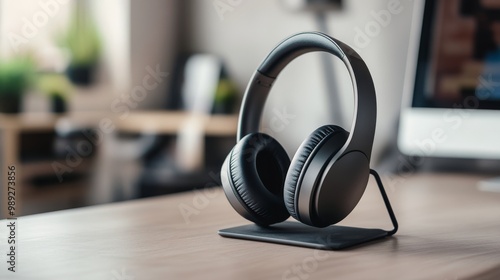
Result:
pixel 448 230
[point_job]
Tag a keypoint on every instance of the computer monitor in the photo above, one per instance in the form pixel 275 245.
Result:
pixel 451 101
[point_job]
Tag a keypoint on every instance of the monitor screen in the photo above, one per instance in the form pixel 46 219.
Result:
pixel 459 55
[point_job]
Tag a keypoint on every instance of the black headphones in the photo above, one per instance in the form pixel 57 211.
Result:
pixel 329 172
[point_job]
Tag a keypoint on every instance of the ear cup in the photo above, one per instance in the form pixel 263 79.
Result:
pixel 300 159
pixel 257 169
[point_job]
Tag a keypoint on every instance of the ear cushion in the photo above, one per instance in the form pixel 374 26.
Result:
pixel 258 167
pixel 299 160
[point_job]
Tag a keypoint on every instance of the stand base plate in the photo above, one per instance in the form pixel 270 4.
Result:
pixel 297 234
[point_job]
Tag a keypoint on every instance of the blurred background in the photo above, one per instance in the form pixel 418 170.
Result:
pixel 104 101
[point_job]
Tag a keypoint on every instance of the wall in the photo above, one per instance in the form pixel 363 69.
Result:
pixel 247 30
pixel 153 38
pixel 33 27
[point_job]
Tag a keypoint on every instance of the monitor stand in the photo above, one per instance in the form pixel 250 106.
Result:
pixel 328 238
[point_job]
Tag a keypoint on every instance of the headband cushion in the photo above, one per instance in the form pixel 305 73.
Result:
pixel 300 159
pixel 258 168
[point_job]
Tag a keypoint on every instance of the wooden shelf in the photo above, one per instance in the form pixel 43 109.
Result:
pixel 173 122
pixel 155 122
pixel 163 122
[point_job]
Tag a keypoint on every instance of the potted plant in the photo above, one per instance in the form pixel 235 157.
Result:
pixel 15 78
pixel 225 97
pixel 83 43
pixel 57 88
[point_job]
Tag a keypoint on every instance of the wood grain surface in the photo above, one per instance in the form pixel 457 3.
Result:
pixel 448 230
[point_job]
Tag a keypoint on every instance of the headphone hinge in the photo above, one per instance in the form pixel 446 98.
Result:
pixel 264 80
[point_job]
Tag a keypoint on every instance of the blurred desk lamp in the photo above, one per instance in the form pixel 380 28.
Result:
pixel 201 76
pixel 320 8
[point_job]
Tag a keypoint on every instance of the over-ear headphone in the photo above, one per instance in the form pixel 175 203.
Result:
pixel 329 172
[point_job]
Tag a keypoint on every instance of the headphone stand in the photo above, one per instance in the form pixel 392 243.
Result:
pixel 329 238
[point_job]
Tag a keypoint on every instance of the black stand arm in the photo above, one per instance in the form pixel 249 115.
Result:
pixel 386 202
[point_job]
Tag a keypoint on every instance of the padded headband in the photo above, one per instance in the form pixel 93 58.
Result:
pixel 365 103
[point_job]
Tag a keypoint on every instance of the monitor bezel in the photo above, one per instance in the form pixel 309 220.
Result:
pixel 419 124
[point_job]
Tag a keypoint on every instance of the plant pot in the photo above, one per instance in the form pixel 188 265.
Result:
pixel 81 75
pixel 224 108
pixel 10 105
pixel 58 104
